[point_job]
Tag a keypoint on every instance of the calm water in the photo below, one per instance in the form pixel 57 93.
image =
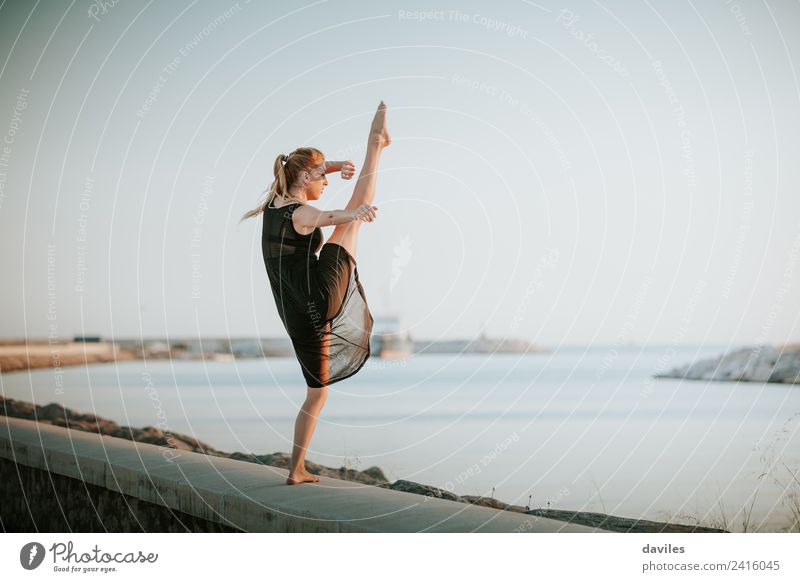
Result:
pixel 581 428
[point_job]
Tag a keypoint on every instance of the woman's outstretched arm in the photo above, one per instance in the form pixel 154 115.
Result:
pixel 306 216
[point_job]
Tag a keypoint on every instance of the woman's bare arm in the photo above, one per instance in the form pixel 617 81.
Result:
pixel 331 166
pixel 346 167
pixel 306 216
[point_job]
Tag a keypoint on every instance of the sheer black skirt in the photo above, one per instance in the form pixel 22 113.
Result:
pixel 325 312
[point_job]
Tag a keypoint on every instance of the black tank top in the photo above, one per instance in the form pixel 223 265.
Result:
pixel 279 239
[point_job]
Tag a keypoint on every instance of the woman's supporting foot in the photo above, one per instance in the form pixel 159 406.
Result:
pixel 301 476
pixel 378 133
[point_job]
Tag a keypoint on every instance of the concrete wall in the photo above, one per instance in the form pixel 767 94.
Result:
pixel 53 479
pixel 32 500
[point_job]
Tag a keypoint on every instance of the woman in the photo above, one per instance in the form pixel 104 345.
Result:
pixel 320 299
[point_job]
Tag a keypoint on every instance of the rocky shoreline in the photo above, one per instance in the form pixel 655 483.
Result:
pixel 761 363
pixel 59 415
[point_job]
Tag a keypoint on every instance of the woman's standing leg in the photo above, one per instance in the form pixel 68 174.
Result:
pixel 346 235
pixel 303 429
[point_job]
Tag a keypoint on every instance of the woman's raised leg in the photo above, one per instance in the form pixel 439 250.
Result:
pixel 346 235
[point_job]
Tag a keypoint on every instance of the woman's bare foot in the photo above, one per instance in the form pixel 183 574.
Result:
pixel 378 133
pixel 302 476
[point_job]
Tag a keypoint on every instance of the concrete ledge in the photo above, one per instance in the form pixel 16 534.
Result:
pixel 229 495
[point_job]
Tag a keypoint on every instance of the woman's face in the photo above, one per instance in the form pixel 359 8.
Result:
pixel 317 180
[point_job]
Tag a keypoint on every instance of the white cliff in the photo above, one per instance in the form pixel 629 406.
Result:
pixel 761 363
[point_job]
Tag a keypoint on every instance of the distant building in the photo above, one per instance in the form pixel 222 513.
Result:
pixel 390 340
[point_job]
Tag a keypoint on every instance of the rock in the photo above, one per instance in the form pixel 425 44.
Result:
pixel 619 524
pixel 420 489
pixel 376 474
pixel 17 408
pixel 493 503
pixel 760 363
pixel 787 368
pixel 51 412
pixel 58 415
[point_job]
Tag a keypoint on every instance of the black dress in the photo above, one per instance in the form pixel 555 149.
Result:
pixel 320 300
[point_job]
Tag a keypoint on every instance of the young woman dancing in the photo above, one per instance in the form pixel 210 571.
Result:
pixel 320 299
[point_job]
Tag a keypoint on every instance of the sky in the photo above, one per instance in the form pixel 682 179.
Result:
pixel 566 173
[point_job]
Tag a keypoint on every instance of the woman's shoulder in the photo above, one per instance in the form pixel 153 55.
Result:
pixel 285 211
pixel 270 207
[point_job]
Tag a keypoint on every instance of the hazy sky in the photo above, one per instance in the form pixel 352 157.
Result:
pixel 571 172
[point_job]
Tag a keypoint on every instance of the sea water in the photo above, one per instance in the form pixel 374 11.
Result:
pixel 577 428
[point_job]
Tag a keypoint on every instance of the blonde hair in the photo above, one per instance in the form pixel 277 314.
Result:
pixel 286 169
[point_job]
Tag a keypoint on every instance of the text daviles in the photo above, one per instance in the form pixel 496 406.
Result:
pixel 665 549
